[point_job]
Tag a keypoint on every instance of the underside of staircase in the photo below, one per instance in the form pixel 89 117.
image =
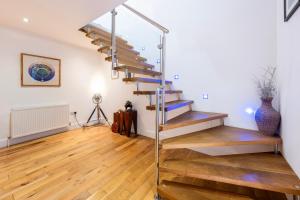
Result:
pixel 189 175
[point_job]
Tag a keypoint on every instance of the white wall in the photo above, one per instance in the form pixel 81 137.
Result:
pixel 84 72
pixel 216 47
pixel 289 71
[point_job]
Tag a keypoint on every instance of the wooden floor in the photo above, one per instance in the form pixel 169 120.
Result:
pixel 81 164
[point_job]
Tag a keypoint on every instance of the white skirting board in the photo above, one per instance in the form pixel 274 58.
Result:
pixel 3 143
pixel 19 140
pixel 148 133
pixel 6 142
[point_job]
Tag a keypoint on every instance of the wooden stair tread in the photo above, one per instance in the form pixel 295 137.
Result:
pixel 137 70
pixel 154 92
pixel 145 80
pixel 103 37
pixel 129 57
pixel 105 42
pixel 253 193
pixel 220 136
pixel 126 54
pixel 265 171
pixel 172 105
pixel 131 61
pixel 178 191
pixel 190 118
pixel 107 49
pixel 93 32
pixel 96 35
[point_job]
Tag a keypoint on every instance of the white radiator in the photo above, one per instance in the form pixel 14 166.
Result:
pixel 31 120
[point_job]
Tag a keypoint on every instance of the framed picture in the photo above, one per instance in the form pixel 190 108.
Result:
pixel 114 74
pixel 40 71
pixel 290 7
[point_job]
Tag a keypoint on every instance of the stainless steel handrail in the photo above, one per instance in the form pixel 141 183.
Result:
pixel 157 123
pixel 160 92
pixel 114 60
pixel 163 78
pixel 157 25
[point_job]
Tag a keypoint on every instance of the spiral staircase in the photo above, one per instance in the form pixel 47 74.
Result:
pixel 185 174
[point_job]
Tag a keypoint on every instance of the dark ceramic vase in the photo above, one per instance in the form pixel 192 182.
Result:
pixel 267 118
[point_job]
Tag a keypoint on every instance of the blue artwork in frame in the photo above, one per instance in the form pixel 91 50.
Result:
pixel 40 71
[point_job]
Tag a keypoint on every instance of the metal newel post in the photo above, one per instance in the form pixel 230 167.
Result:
pixel 163 78
pixel 157 125
pixel 113 40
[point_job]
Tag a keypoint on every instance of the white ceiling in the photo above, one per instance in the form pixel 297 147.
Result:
pixel 55 19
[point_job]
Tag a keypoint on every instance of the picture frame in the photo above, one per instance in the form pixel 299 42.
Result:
pixel 290 7
pixel 114 74
pixel 40 71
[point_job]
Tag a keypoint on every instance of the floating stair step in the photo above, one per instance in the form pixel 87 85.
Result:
pixel 131 61
pixel 190 118
pixel 220 136
pixel 252 193
pixel 93 32
pixel 107 49
pixel 102 41
pixel 137 70
pixel 154 92
pixel 126 54
pixel 129 57
pixel 101 38
pixel 172 105
pixel 265 171
pixel 145 80
pixel 104 35
pixel 178 191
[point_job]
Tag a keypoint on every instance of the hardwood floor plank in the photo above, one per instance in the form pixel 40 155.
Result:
pixel 77 156
pixel 92 163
